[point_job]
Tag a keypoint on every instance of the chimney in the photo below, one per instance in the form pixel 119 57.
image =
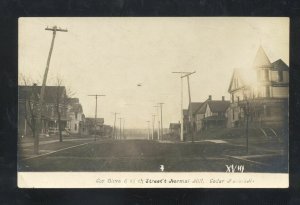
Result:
pixel 209 97
pixel 223 98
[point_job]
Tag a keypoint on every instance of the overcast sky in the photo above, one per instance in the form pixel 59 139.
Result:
pixel 112 55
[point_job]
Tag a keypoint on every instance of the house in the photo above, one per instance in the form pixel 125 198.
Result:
pixel 260 93
pixel 54 108
pixel 75 122
pixel 212 114
pixel 94 126
pixel 174 129
pixel 192 108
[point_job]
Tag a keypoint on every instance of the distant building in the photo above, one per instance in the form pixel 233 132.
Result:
pixel 260 92
pixel 174 129
pixel 93 126
pixel 212 114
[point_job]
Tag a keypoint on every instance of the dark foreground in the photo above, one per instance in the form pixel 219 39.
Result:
pixel 143 155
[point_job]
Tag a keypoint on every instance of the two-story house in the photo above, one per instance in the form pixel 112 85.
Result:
pixel 212 114
pixel 75 116
pixel 259 93
pixel 54 108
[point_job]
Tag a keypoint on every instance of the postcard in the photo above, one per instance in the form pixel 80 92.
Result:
pixel 153 102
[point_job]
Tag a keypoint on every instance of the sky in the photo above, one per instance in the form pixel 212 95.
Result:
pixel 111 55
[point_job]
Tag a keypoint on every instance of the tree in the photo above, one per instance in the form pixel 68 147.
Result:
pixel 30 105
pixel 62 99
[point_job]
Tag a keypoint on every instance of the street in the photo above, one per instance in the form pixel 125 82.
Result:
pixel 143 155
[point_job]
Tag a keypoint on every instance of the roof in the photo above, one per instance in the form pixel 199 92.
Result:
pixel 261 59
pixel 202 109
pixel 194 106
pixel 76 107
pixel 214 105
pixel 280 65
pixel 51 92
pixel 218 105
pixel 174 125
pixel 73 100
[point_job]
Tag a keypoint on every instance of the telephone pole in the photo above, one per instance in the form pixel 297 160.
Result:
pixel 153 121
pixel 124 137
pixel 54 29
pixel 114 131
pixel 158 123
pixel 161 121
pixel 120 135
pixel 96 97
pixel 190 114
pixel 181 103
pixel 148 122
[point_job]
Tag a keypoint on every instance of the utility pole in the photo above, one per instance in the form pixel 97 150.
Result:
pixel 148 122
pixel 54 29
pixel 153 121
pixel 161 121
pixel 190 114
pixel 114 131
pixel 158 123
pixel 124 137
pixel 247 126
pixel 120 135
pixel 181 105
pixel 96 97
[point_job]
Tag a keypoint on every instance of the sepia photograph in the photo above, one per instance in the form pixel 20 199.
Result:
pixel 153 102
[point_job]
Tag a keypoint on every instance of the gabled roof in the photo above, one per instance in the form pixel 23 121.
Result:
pixel 202 109
pixel 76 107
pixel 193 106
pixel 218 105
pixel 261 59
pixel 51 92
pixel 280 65
pixel 214 105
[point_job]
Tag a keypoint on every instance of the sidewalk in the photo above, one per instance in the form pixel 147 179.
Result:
pixel 49 141
pixel 50 145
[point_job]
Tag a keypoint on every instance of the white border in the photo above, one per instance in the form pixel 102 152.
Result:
pixel 163 180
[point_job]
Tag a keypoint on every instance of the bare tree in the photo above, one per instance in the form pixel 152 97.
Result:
pixel 30 103
pixel 62 99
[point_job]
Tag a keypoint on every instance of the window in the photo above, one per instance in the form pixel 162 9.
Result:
pixel 267 91
pixel 76 115
pixel 232 114
pixel 266 75
pixel 280 76
pixel 75 127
